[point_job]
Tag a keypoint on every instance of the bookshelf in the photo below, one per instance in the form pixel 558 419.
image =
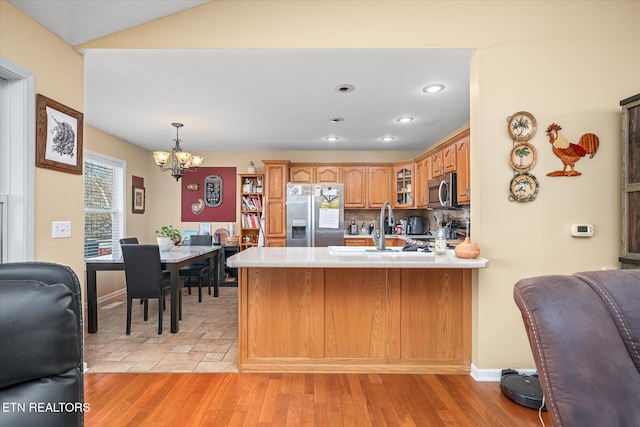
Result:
pixel 250 209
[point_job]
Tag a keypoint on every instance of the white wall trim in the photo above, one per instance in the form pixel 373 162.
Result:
pixel 494 374
pixel 18 144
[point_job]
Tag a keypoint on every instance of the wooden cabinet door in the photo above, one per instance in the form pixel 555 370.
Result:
pixel 275 177
pixel 302 174
pixel 379 185
pixel 437 165
pixel 355 186
pixel 449 158
pixel 329 174
pixel 421 185
pixel 463 173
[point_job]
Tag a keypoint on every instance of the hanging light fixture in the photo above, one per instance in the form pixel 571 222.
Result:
pixel 181 161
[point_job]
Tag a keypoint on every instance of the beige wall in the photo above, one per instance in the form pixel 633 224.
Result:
pixel 59 75
pixel 568 62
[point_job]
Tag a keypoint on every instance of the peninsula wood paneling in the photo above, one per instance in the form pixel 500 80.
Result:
pixel 354 320
pixel 355 313
pixel 284 312
pixel 433 318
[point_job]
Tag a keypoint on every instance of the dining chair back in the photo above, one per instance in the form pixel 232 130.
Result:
pixel 144 278
pixel 129 241
pixel 200 270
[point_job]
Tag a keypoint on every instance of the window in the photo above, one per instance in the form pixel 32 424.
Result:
pixel 104 219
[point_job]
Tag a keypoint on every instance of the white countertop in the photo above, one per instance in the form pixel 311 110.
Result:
pixel 322 258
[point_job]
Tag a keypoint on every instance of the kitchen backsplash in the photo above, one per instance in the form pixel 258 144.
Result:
pixel 367 216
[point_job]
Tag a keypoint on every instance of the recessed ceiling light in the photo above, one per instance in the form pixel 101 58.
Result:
pixel 332 138
pixel 387 138
pixel 345 88
pixel 337 119
pixel 433 88
pixel 404 119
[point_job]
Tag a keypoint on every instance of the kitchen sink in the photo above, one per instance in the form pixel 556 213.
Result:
pixel 372 251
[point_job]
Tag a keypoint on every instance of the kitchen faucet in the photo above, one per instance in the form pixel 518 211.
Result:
pixel 380 241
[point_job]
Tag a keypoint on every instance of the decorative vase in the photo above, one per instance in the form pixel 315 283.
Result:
pixel 164 241
pixel 251 169
pixel 467 249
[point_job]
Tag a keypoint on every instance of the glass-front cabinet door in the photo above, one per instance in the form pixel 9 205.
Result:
pixel 404 185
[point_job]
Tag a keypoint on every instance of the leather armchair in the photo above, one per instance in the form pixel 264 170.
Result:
pixel 584 331
pixel 41 364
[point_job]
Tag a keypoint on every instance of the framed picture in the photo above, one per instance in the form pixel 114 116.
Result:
pixel 138 200
pixel 58 136
pixel 204 228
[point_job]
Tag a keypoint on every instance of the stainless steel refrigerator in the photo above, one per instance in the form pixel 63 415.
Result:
pixel 315 214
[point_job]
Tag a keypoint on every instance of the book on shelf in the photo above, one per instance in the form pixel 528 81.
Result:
pixel 250 220
pixel 252 202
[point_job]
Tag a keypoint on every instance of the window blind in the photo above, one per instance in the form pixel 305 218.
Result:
pixel 104 204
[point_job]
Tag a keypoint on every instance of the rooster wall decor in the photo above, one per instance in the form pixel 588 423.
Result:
pixel 568 152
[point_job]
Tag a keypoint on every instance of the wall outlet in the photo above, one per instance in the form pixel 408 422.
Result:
pixel 60 229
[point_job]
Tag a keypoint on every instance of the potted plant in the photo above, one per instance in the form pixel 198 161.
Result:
pixel 168 235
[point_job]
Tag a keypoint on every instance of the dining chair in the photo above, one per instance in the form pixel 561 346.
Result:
pixel 200 270
pixel 145 279
pixel 129 241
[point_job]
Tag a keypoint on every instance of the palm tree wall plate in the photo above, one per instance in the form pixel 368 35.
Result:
pixel 524 187
pixel 523 157
pixel 522 126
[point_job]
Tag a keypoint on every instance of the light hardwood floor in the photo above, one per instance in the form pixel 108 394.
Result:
pixel 300 400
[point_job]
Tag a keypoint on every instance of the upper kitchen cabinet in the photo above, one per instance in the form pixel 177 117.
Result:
pixel 404 176
pixel 276 174
pixel 379 185
pixel 354 178
pixel 630 182
pixel 327 174
pixel 302 174
pixel 463 159
pixel 444 160
pixel 423 175
pixel 315 174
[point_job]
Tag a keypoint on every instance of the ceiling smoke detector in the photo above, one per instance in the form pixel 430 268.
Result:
pixel 345 88
pixel 337 120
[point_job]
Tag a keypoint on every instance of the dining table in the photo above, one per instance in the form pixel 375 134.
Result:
pixel 173 259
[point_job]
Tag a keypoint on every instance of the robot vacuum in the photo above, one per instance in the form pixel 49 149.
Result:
pixel 522 389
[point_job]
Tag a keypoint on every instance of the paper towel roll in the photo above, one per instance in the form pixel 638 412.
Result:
pixel 230 228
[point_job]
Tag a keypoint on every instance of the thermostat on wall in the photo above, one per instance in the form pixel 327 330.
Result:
pixel 582 230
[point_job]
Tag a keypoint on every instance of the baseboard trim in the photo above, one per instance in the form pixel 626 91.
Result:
pixel 494 374
pixel 108 296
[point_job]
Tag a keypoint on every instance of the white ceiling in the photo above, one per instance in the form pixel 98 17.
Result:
pixel 256 99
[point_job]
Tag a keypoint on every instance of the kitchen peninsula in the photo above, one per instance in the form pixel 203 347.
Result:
pixel 353 310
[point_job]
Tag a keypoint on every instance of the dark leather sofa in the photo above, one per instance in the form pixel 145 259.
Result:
pixel 41 364
pixel 584 331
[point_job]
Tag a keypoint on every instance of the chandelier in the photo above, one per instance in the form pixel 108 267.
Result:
pixel 181 161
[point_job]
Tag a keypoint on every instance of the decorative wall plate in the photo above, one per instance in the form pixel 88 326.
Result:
pixel 522 126
pixel 523 157
pixel 523 188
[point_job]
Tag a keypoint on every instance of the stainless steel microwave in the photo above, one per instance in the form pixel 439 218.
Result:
pixel 443 192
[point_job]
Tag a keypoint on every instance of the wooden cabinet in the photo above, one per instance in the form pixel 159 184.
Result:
pixel 358 241
pixel 631 182
pixel 463 160
pixel 404 176
pixel 421 187
pixel 355 186
pixel 276 173
pixel 326 174
pixel 437 166
pixel 302 174
pixel 312 174
pixel 379 181
pixel 251 203
pixel 449 163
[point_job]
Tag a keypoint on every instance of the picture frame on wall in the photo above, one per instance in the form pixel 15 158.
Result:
pixel 58 136
pixel 138 200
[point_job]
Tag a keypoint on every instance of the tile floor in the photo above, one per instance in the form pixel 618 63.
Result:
pixel 207 340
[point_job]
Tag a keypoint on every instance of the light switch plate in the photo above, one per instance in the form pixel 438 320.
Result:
pixel 60 229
